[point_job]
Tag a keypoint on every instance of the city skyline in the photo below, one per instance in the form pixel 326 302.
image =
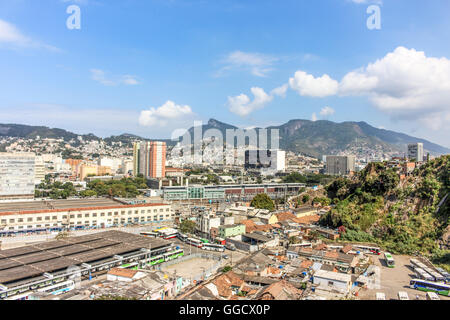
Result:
pixel 150 68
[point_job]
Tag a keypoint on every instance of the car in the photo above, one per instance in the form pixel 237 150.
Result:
pixel 225 256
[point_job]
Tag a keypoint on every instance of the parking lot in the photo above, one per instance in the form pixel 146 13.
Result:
pixel 394 280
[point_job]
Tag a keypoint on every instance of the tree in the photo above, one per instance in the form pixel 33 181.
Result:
pixel 263 201
pixel 294 240
pixel 306 198
pixel 187 226
pixel 226 269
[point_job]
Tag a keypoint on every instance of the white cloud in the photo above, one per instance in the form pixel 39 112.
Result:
pixel 307 85
pixel 366 1
pixel 100 76
pixel 256 63
pixel 280 91
pixel 326 111
pixel 405 84
pixel 243 106
pixel 12 36
pixel 130 80
pixel 160 116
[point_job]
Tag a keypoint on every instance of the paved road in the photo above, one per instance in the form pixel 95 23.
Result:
pixel 394 280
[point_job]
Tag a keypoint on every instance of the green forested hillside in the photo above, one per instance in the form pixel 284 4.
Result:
pixel 402 216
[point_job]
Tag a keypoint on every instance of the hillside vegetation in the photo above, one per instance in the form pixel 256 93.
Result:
pixel 402 216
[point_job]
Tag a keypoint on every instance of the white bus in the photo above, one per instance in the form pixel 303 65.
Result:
pixel 59 288
pixel 432 274
pixel 213 247
pixel 390 262
pixel 194 242
pixel 182 237
pixel 422 274
pixel 367 249
pixel 149 234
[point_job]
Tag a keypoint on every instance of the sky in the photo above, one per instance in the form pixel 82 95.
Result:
pixel 154 67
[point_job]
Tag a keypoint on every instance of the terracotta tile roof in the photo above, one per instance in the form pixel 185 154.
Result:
pixel 306 264
pixel 225 281
pixel 347 248
pixel 250 226
pixel 120 272
pixel 321 246
pixel 265 227
pixel 331 254
pixel 273 270
pixel 308 219
pixel 283 216
pixel 281 290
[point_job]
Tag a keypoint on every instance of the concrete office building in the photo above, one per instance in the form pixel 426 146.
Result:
pixel 17 175
pixel 340 165
pixel 265 159
pixel 205 222
pixel 415 151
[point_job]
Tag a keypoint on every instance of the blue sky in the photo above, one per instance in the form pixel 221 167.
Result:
pixel 150 67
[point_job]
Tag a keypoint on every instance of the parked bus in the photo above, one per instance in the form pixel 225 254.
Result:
pixel 22 296
pixel 367 249
pixel 59 288
pixel 149 234
pixel 423 285
pixel 213 247
pixel 182 237
pixel 173 255
pixel 422 274
pixel 389 260
pixel 194 242
pixel 433 275
pixel 169 235
pixel 204 240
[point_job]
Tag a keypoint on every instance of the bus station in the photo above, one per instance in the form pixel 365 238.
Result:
pixel 28 268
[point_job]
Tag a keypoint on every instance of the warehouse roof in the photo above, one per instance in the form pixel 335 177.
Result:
pixel 33 260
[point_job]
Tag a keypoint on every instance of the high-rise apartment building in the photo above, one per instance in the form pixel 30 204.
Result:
pixel 415 151
pixel 17 175
pixel 39 170
pixel 149 159
pixel 136 158
pixel 340 165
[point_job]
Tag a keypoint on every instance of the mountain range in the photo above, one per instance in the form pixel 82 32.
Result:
pixel 313 138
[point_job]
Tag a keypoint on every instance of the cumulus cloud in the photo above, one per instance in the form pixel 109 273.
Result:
pixel 11 36
pixel 280 91
pixel 161 115
pixel 256 63
pixel 243 106
pixel 405 84
pixel 307 85
pixel 100 76
pixel 326 111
